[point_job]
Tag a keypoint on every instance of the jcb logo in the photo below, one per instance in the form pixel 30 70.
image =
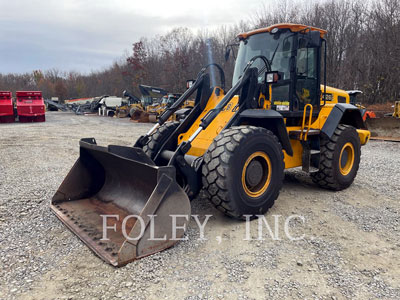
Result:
pixel 229 107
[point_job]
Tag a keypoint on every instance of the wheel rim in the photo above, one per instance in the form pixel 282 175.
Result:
pixel 346 159
pixel 256 174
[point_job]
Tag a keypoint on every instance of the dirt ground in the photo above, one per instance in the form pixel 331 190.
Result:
pixel 350 248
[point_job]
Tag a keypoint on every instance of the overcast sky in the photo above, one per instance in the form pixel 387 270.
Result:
pixel 89 35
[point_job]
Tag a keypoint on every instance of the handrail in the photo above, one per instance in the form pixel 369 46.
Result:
pixel 304 121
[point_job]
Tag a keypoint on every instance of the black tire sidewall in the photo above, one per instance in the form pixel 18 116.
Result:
pixel 158 138
pixel 348 135
pixel 259 141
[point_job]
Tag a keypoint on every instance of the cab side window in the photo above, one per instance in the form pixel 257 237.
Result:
pixel 307 73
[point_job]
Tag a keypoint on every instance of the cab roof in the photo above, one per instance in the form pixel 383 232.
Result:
pixel 292 27
pixel 332 90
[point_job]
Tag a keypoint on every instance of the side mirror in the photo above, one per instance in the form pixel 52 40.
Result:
pixel 227 53
pixel 189 83
pixel 272 77
pixel 314 38
pixel 125 93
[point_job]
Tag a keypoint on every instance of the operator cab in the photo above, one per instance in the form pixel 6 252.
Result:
pixel 293 53
pixel 169 99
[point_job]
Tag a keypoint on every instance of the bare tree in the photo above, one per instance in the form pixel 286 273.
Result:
pixel 363 49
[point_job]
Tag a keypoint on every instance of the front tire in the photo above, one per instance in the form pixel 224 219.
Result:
pixel 243 171
pixel 158 138
pixel 340 159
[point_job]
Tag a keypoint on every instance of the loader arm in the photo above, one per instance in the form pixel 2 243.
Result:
pixel 200 118
pixel 198 85
pixel 173 154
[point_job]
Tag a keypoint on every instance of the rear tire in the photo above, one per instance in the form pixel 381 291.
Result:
pixel 158 138
pixel 340 159
pixel 243 171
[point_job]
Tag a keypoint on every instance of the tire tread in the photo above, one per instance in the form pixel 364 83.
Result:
pixel 325 177
pixel 158 137
pixel 216 166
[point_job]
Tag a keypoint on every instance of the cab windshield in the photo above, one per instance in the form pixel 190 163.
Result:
pixel 146 100
pixel 169 100
pixel 277 48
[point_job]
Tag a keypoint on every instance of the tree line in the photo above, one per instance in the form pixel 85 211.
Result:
pixel 363 49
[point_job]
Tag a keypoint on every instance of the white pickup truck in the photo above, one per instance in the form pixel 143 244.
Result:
pixel 108 104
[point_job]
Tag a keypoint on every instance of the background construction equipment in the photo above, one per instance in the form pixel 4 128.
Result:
pixel 6 107
pixel 30 106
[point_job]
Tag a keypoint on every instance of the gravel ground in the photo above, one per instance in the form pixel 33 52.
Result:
pixel 350 249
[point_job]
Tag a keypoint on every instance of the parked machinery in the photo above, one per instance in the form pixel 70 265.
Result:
pixel 151 101
pixel 6 108
pixel 30 106
pixel 135 109
pixel 396 113
pixel 166 102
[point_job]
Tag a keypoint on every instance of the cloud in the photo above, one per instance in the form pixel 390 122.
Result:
pixel 89 35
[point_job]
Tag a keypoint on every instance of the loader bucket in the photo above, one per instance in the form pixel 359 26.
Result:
pixel 124 184
pixel 121 113
pixel 386 128
pixel 140 116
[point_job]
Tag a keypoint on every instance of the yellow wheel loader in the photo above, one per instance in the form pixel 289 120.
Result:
pixel 145 109
pixel 233 146
pixel 179 114
pixel 158 108
pixel 153 111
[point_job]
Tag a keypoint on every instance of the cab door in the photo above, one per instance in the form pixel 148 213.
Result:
pixel 307 90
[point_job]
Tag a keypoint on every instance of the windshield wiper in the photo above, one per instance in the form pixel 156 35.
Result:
pixel 265 66
pixel 273 55
pixel 269 61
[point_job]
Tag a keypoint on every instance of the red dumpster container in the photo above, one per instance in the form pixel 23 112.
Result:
pixel 6 108
pixel 30 106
